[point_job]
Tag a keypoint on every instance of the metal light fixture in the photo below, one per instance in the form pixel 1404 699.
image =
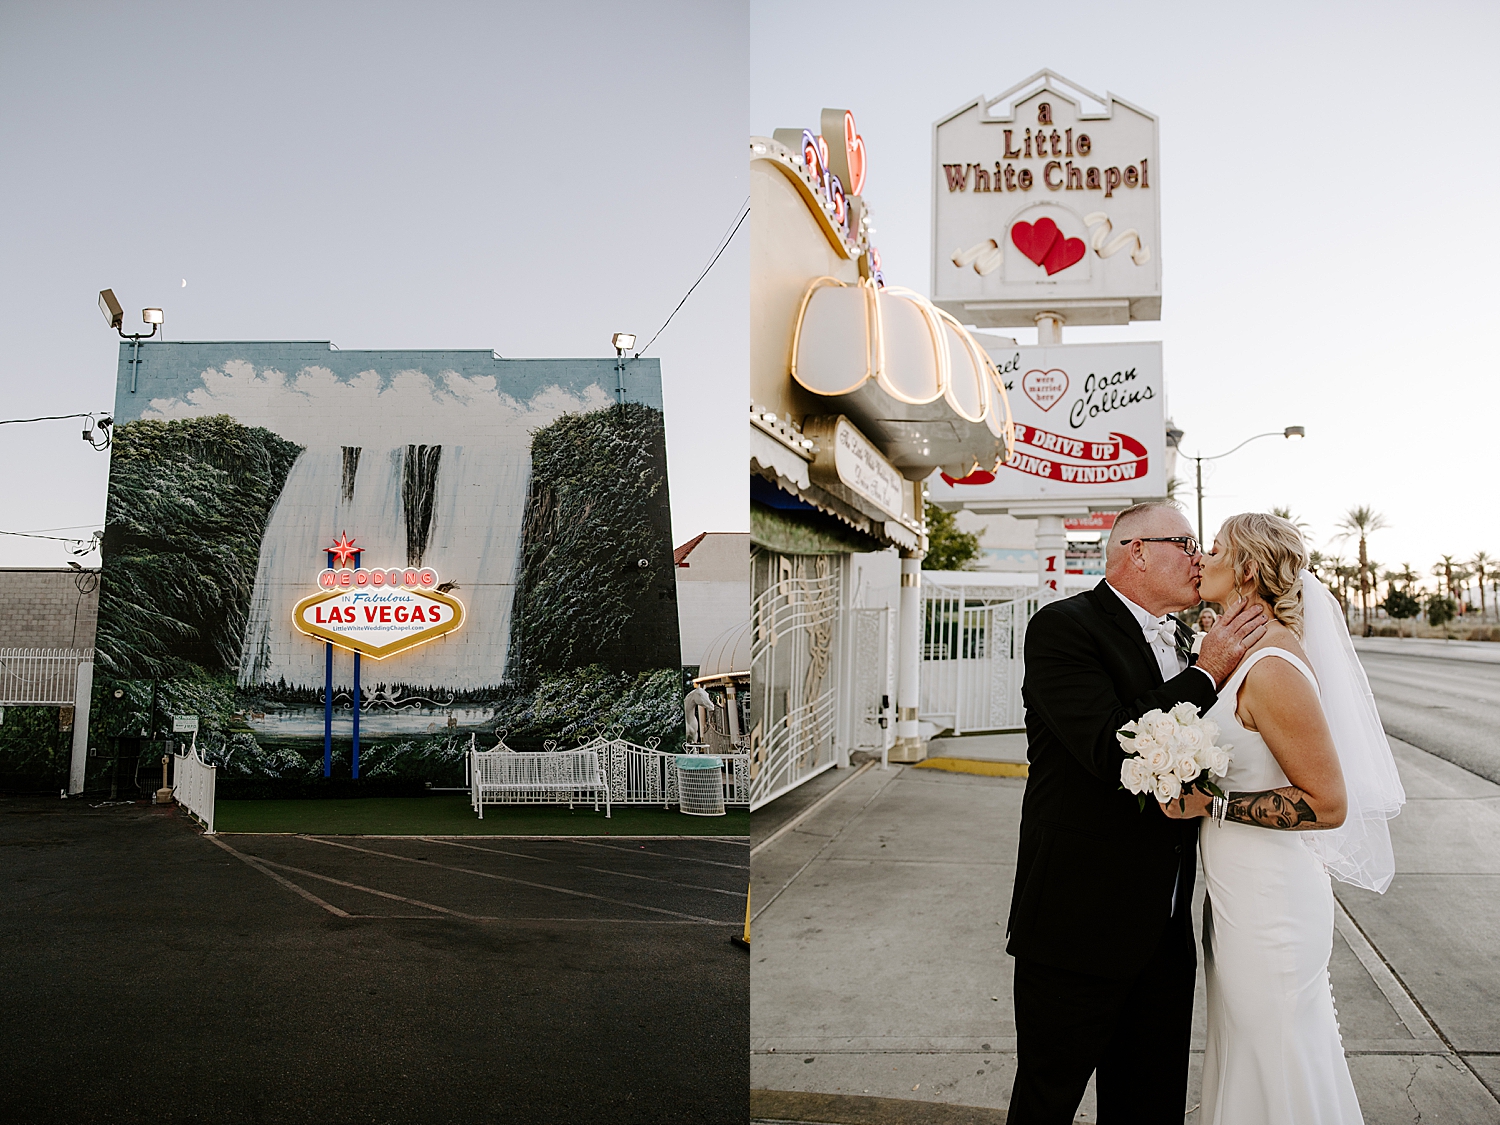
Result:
pixel 622 342
pixel 114 316
pixel 1289 432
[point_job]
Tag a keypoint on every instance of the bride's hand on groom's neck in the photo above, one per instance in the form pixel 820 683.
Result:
pixel 1232 636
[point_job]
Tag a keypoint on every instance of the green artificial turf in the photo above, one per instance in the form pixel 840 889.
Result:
pixel 449 814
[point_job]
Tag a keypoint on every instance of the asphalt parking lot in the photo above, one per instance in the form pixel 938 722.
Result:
pixel 148 972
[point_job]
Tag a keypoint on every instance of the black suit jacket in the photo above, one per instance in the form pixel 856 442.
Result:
pixel 1095 872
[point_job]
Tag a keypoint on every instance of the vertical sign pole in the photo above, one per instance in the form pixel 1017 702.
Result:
pixel 354 759
pixel 328 700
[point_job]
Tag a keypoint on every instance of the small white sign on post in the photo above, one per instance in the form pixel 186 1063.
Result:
pixel 1090 429
pixel 184 724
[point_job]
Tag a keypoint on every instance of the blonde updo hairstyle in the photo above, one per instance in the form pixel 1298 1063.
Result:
pixel 1267 556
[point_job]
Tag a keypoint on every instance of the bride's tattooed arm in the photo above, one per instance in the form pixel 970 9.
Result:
pixel 1285 808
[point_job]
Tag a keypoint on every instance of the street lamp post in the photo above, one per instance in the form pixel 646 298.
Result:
pixel 1289 432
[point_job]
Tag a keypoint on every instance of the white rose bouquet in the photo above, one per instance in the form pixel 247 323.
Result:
pixel 1171 753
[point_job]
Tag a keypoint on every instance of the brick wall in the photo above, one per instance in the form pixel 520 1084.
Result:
pixel 48 608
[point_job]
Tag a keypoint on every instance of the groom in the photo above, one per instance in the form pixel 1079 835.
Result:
pixel 1099 918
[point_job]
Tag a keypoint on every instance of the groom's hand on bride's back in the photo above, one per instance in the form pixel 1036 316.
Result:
pixel 1225 645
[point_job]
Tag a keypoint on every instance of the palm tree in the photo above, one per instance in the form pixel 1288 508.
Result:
pixel 1363 521
pixel 1333 567
pixel 1443 571
pixel 1406 576
pixel 1483 565
pixel 1285 512
pixel 1316 562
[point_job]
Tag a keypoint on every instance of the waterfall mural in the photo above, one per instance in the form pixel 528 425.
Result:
pixel 536 489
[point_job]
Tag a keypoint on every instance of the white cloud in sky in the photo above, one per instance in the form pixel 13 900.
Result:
pixel 317 409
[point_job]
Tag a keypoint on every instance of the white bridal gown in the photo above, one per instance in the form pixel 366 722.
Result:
pixel 1274 1056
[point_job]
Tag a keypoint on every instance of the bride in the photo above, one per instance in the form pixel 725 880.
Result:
pixel 1310 788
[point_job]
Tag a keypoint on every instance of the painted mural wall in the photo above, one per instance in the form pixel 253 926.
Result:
pixel 536 489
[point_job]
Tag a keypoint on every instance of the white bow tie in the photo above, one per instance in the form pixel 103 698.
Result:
pixel 1163 629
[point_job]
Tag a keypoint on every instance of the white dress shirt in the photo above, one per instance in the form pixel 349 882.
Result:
pixel 1160 634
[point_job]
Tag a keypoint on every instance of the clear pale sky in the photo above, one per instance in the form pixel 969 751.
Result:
pixel 1328 175
pixel 528 178
pixel 532 179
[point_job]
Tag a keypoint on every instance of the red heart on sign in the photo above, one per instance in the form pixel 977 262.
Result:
pixel 1064 252
pixel 1045 387
pixel 854 151
pixel 1036 239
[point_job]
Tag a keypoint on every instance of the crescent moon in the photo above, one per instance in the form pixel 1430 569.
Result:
pixel 184 283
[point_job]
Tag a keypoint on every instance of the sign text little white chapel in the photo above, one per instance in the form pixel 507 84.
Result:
pixel 1045 199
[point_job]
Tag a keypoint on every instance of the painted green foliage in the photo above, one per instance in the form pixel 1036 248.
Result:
pixel 596 509
pixel 188 502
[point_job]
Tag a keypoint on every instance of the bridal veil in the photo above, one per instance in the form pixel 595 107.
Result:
pixel 1359 850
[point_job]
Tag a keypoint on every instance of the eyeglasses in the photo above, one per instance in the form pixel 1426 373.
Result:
pixel 1188 544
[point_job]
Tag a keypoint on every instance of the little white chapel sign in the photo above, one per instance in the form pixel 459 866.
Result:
pixel 1045 199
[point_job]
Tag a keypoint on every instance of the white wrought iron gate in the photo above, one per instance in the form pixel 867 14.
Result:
pixel 972 663
pixel 794 613
pixel 872 676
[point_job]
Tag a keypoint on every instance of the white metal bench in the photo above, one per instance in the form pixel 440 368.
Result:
pixel 511 777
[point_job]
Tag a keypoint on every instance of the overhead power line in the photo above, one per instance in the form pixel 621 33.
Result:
pixel 58 538
pixel 46 418
pixel 718 253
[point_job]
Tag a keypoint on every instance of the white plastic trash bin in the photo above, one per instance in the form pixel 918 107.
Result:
pixel 700 784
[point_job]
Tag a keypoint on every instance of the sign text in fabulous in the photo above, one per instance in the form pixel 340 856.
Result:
pixel 1056 174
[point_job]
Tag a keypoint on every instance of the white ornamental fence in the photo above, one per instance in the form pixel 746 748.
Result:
pixel 43 677
pixel 644 775
pixel 972 663
pixel 193 784
pixel 794 646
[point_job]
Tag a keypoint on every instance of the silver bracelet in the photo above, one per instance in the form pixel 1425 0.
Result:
pixel 1218 808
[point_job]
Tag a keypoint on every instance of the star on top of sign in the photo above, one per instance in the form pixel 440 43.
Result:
pixel 343 548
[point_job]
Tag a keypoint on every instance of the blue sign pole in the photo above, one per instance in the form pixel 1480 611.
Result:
pixel 354 760
pixel 328 700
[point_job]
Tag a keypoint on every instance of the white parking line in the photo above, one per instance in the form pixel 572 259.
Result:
pixel 519 882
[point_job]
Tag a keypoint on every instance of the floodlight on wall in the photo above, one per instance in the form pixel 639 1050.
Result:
pixel 114 315
pixel 622 342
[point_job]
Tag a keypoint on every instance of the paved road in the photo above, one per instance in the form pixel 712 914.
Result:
pixel 150 974
pixel 1439 702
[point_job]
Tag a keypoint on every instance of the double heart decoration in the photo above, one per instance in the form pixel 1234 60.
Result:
pixel 1045 245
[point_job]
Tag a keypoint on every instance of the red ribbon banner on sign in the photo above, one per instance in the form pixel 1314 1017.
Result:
pixel 1104 461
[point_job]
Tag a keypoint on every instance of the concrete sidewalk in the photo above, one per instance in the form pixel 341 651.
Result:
pixel 879 970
